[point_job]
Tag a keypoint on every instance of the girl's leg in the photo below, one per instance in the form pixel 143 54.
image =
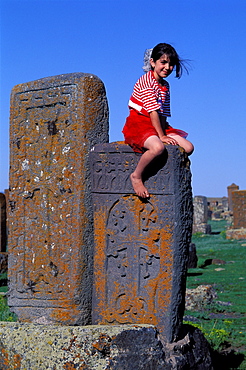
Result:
pixel 154 148
pixel 184 143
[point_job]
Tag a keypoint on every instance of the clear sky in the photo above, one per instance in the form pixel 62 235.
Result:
pixel 41 38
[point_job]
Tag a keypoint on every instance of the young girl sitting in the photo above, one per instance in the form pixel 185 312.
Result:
pixel 146 129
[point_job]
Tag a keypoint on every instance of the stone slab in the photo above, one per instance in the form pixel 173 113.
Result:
pixel 201 228
pixel 230 189
pixel 236 233
pixel 239 209
pixel 54 122
pixel 26 346
pixel 36 347
pixel 141 246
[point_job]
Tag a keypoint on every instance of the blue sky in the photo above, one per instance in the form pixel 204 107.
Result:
pixel 41 38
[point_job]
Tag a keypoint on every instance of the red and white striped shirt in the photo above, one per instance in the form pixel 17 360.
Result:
pixel 148 96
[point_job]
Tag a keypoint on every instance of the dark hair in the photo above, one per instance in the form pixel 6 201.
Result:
pixel 171 53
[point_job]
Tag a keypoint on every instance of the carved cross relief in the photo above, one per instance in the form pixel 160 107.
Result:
pixel 132 260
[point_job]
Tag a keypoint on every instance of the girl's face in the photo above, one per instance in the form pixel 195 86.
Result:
pixel 162 67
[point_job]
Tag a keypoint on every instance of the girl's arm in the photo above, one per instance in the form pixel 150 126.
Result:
pixel 155 120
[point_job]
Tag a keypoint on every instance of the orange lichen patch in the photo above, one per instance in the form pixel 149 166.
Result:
pixel 69 313
pixel 54 123
pixel 132 304
pixel 102 344
pixel 74 366
pixel 139 244
pixel 17 361
pixel 8 361
pixel 4 358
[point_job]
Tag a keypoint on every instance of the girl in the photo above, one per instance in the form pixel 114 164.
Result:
pixel 146 129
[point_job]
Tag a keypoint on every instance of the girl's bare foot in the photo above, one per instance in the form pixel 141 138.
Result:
pixel 139 187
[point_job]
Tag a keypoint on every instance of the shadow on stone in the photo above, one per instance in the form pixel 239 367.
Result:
pixel 227 359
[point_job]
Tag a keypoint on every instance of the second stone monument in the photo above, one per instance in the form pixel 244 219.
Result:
pixel 141 246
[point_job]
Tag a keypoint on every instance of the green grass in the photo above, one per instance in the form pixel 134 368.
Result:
pixel 223 322
pixel 3 278
pixel 5 314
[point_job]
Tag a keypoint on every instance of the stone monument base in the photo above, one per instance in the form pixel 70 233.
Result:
pixel 201 228
pixel 236 233
pixel 122 347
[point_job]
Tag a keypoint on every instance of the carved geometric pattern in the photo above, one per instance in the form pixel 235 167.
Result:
pixel 44 163
pixel 132 259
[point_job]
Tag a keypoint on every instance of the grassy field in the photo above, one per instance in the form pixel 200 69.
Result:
pixel 224 321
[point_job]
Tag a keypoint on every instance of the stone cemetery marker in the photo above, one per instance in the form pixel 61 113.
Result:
pixel 239 209
pixel 53 124
pixel 192 260
pixel 200 217
pixel 141 246
pixel 230 189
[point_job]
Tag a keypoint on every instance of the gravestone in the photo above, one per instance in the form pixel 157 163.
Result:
pixel 239 209
pixel 53 124
pixel 230 189
pixel 192 260
pixel 225 204
pixel 200 217
pixel 238 228
pixel 3 223
pixel 141 246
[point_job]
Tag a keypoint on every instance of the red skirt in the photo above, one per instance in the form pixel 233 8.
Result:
pixel 138 129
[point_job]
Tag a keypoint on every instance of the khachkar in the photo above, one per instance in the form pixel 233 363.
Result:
pixel 141 246
pixel 238 229
pixel 200 217
pixel 54 123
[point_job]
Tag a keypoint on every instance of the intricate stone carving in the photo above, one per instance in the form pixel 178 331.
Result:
pixel 141 246
pixel 54 123
pixel 130 218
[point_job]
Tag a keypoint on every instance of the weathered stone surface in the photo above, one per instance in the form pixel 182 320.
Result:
pixel 3 223
pixel 213 261
pixel 53 124
pixel 236 233
pixel 202 228
pixel 36 347
pixel 192 352
pixel 239 209
pixel 122 347
pixel 141 246
pixel 238 229
pixel 218 208
pixel 200 204
pixel 196 299
pixel 200 216
pixel 230 189
pixel 192 259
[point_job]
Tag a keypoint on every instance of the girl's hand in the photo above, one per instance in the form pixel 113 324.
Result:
pixel 168 140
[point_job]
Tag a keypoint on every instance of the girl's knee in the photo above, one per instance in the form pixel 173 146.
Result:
pixel 155 145
pixel 189 148
pixel 158 149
